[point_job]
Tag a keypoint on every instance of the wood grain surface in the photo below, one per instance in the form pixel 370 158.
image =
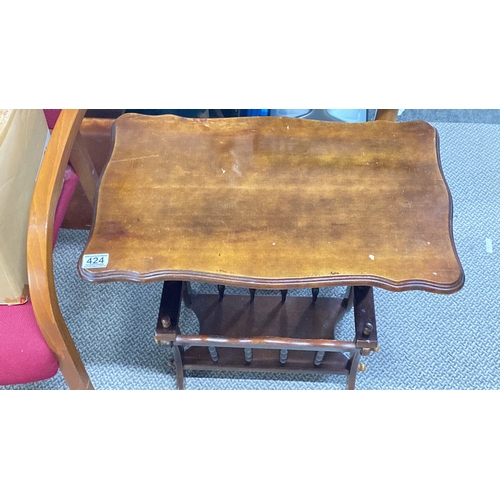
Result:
pixel 275 203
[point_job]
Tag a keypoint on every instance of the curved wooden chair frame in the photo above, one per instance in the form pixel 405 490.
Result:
pixel 65 144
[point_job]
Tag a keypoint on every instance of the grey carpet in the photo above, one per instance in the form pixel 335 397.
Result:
pixel 447 115
pixel 427 341
pixel 452 115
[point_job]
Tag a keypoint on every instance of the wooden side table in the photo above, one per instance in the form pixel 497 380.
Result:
pixel 272 203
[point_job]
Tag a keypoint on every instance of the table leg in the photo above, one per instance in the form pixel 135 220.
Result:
pixel 364 318
pixel 179 369
pixel 186 293
pixel 365 328
pixel 167 326
pixel 348 298
pixel 170 304
pixel 353 370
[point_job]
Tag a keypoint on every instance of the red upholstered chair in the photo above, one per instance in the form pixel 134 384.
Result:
pixel 34 339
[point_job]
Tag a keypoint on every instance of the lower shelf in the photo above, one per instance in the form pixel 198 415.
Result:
pixel 296 317
pixel 268 327
pixel 237 316
pixel 266 360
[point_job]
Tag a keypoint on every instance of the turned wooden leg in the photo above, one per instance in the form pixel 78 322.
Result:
pixel 248 354
pixel 319 358
pixel 213 354
pixel 283 356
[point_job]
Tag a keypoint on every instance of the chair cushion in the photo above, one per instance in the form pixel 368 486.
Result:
pixel 24 354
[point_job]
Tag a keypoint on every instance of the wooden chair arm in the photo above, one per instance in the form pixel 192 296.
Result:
pixel 40 248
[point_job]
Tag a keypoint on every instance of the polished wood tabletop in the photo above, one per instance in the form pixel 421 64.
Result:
pixel 269 202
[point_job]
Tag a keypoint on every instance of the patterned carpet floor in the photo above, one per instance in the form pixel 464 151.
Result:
pixel 427 341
